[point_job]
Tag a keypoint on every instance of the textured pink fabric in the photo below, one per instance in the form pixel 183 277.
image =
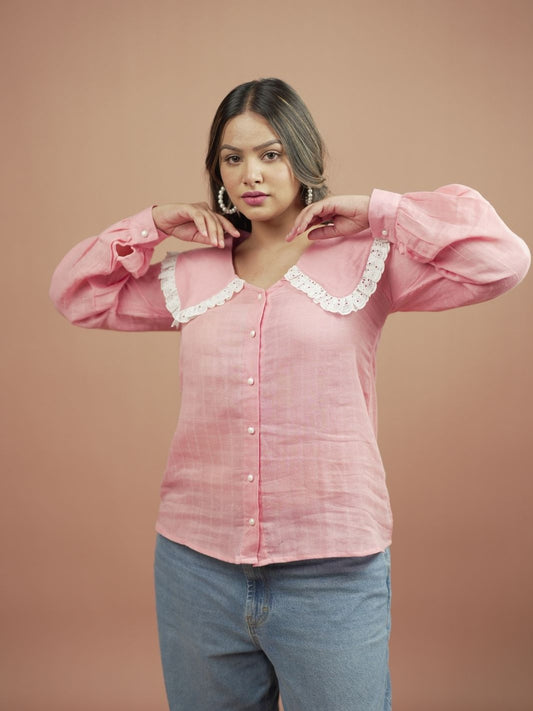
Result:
pixel 275 455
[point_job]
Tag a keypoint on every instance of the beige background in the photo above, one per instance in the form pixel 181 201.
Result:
pixel 106 108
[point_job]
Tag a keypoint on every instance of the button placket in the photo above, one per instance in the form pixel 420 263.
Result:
pixel 250 394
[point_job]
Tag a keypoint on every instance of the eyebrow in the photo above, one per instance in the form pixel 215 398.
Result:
pixel 257 148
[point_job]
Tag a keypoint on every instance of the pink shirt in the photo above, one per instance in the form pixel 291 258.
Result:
pixel 275 455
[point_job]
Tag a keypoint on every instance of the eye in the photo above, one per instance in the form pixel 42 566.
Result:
pixel 271 155
pixel 231 159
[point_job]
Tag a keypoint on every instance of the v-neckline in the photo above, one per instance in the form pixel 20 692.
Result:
pixel 275 284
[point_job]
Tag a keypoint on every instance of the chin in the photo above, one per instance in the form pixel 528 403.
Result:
pixel 257 214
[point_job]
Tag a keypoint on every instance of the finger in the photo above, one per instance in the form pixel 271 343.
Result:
pixel 313 213
pixel 216 231
pixel 295 231
pixel 220 233
pixel 337 227
pixel 325 231
pixel 200 222
pixel 188 232
pixel 309 223
pixel 214 228
pixel 228 226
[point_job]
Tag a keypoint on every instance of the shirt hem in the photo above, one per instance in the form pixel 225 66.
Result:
pixel 271 559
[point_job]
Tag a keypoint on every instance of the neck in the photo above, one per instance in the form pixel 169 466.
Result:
pixel 273 232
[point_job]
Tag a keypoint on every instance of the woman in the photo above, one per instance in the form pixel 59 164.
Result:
pixel 272 558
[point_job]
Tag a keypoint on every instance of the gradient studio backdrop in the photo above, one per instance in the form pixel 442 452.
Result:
pixel 107 106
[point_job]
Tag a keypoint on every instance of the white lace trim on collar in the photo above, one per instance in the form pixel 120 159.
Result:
pixel 359 296
pixel 172 299
pixel 344 305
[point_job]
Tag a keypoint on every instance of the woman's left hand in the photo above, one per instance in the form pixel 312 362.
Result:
pixel 345 214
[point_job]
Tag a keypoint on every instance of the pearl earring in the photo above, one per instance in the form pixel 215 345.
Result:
pixel 225 210
pixel 309 196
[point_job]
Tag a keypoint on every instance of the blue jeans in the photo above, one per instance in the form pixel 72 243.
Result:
pixel 233 636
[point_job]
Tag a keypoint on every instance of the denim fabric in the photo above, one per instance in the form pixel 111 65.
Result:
pixel 233 636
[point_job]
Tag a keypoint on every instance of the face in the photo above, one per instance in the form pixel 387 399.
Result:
pixel 256 171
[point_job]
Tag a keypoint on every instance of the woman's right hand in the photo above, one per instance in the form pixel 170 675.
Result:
pixel 193 222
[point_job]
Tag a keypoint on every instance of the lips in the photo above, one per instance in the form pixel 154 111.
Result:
pixel 254 197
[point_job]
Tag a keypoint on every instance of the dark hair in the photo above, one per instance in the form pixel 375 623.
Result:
pixel 285 111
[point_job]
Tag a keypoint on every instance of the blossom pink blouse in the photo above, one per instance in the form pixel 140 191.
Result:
pixel 275 457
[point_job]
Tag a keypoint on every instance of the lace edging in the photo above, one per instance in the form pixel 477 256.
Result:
pixel 359 297
pixel 172 299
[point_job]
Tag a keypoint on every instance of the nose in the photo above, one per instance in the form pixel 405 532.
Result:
pixel 252 172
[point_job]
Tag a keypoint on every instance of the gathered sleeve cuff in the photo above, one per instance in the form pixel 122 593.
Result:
pixel 132 242
pixel 107 281
pixel 450 248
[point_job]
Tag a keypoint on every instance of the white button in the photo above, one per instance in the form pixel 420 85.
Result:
pixel 250 381
pixel 251 521
pixel 251 430
pixel 259 296
pixel 144 233
pixel 250 477
pixel 252 333
pixel 384 232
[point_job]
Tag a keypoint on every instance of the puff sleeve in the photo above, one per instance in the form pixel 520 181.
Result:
pixel 107 281
pixel 449 248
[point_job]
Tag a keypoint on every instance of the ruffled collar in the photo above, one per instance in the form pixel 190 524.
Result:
pixel 338 274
